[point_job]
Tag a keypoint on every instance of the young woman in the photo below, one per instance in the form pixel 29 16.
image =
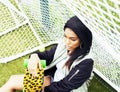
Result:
pixel 69 65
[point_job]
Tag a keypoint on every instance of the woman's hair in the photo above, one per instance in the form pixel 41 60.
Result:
pixel 85 36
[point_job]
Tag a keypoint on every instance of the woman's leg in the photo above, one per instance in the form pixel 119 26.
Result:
pixel 14 83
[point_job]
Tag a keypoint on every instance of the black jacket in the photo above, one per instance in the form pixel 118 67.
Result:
pixel 76 77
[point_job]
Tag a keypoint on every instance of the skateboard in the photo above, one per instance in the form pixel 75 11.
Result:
pixel 31 83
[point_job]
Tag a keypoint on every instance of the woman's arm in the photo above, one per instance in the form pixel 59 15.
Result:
pixel 48 55
pixel 77 76
pixel 34 60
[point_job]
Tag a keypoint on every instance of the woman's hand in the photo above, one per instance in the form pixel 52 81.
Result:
pixel 47 82
pixel 33 63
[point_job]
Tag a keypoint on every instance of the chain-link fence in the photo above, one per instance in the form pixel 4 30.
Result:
pixel 103 18
pixel 31 23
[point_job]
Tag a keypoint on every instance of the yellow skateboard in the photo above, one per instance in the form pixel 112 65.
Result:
pixel 31 83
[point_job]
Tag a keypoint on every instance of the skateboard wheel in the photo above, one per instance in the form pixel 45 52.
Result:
pixel 43 63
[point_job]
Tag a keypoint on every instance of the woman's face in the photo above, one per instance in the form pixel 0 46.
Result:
pixel 71 39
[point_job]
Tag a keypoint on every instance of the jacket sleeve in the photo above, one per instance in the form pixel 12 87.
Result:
pixel 77 76
pixel 48 55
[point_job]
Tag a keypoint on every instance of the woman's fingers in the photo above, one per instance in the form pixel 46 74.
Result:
pixel 33 63
pixel 32 70
pixel 39 65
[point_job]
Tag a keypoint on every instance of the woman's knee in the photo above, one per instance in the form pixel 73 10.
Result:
pixel 16 81
pixel 12 78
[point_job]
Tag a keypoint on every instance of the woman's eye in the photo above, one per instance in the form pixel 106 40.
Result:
pixel 73 39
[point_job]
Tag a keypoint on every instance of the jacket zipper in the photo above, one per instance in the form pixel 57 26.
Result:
pixel 73 75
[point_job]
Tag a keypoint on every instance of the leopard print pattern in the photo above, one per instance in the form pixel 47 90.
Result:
pixel 31 83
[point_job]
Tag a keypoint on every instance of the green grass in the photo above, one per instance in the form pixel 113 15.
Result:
pixel 10 68
pixel 99 85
